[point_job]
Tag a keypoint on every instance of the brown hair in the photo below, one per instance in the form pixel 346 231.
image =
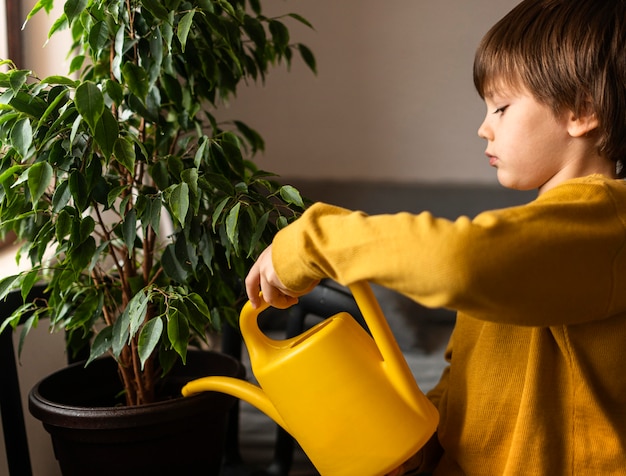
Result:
pixel 570 54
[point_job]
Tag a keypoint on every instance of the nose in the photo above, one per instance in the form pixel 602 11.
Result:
pixel 484 131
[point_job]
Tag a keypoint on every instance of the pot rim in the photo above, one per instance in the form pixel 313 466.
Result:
pixel 55 413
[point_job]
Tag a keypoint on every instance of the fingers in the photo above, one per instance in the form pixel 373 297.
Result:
pixel 263 277
pixel 276 298
pixel 253 280
pixel 253 286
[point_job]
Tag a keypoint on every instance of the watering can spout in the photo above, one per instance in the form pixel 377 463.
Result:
pixel 241 389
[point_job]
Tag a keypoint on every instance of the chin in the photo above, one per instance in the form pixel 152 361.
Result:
pixel 512 183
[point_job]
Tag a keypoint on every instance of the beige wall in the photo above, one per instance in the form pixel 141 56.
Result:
pixel 394 97
pixel 393 101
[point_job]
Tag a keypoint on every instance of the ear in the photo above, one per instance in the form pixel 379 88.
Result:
pixel 578 125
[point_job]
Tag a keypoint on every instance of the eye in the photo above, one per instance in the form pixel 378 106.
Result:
pixel 500 110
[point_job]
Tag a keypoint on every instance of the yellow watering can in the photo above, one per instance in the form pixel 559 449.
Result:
pixel 348 399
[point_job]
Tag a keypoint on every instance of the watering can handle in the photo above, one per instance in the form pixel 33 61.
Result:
pixel 393 358
pixel 394 361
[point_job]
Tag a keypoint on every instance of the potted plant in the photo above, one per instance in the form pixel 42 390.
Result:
pixel 138 208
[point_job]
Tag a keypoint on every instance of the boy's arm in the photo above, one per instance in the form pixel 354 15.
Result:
pixel 558 250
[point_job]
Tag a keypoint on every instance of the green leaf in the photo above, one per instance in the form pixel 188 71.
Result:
pixel 156 8
pixel 258 233
pixel 60 80
pixel 62 97
pixel 255 31
pixel 227 7
pixel 45 4
pixel 199 156
pixel 253 137
pixel 281 222
pixel 78 189
pixel 73 8
pixel 21 179
pixel 63 224
pixel 137 80
pixel 218 212
pixel 7 285
pixel 114 90
pixel 81 256
pixel 120 333
pixel 5 117
pixel 10 172
pixel 114 194
pixel 17 78
pixel 28 104
pixel 178 201
pixel 84 313
pixel 149 337
pixel 61 196
pixel 85 227
pixel 256 6
pixel 172 89
pixel 98 36
pixel 27 326
pixel 76 63
pixel 13 321
pixel 119 48
pixel 198 306
pixel 155 214
pixel 302 20
pixel 172 266
pixel 178 332
pixel 75 127
pixel 137 312
pixel 308 57
pixel 28 281
pixel 156 51
pixel 190 177
pixel 291 195
pixel 280 34
pixel 124 152
pixel 101 344
pixel 22 137
pixel 97 256
pixel 89 102
pixel 39 178
pixel 129 230
pixel 232 231
pixel 107 131
pixel 184 25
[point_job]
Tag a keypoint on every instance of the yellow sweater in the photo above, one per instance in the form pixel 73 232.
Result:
pixel 537 378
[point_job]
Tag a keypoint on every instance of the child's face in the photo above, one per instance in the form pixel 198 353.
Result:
pixel 527 144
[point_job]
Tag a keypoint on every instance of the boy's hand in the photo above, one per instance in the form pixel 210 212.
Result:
pixel 262 276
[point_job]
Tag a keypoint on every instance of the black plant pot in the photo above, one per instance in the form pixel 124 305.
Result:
pixel 179 436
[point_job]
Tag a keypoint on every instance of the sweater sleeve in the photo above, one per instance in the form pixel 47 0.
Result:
pixel 553 261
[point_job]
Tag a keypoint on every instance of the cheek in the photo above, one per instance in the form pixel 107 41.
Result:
pixel 540 137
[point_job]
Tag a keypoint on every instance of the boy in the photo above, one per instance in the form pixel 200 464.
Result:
pixel 535 382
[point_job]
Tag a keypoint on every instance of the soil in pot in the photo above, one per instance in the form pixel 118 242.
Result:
pixel 179 436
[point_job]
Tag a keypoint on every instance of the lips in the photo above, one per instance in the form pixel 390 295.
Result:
pixel 493 160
